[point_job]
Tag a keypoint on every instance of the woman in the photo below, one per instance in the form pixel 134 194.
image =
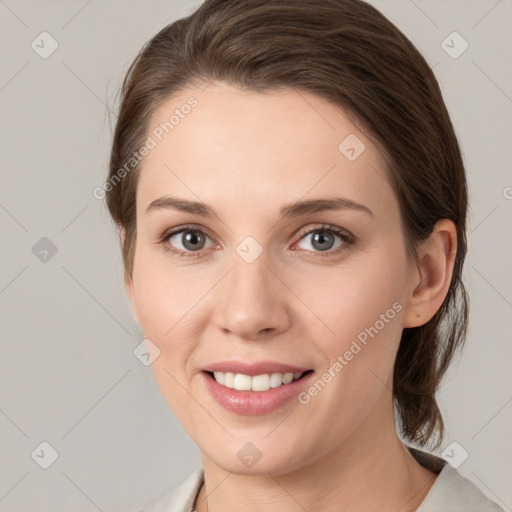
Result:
pixel 292 202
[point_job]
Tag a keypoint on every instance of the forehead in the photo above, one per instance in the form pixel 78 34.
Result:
pixel 243 147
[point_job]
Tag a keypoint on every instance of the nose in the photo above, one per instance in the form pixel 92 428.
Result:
pixel 251 302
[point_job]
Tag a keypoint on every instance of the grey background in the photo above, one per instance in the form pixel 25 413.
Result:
pixel 68 375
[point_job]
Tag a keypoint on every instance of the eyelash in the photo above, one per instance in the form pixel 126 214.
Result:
pixel 347 239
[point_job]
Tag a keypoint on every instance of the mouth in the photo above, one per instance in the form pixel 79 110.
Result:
pixel 255 387
pixel 256 383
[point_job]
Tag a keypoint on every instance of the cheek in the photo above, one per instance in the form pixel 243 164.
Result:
pixel 165 302
pixel 166 295
pixel 352 298
pixel 361 311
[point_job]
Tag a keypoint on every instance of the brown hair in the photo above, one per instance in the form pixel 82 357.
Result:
pixel 347 52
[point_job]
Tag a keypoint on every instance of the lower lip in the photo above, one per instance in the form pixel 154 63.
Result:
pixel 252 403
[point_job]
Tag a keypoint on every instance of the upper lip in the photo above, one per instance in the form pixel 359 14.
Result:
pixel 253 369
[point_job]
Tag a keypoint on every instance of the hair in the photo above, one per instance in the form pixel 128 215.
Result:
pixel 347 52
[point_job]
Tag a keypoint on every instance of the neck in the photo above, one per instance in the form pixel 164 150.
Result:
pixel 372 470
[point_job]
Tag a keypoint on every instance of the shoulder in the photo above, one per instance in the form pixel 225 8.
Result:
pixel 451 491
pixel 180 498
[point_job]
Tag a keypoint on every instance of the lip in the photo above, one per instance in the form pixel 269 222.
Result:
pixel 253 369
pixel 252 403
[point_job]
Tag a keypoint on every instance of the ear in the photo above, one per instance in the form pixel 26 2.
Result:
pixel 430 281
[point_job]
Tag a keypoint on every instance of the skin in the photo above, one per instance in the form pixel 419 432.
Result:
pixel 246 154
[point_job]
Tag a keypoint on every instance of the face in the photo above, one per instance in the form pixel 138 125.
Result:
pixel 264 285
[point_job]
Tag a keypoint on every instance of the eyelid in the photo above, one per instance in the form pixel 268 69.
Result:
pixel 327 227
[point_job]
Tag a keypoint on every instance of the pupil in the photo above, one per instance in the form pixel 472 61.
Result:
pixel 191 238
pixel 320 238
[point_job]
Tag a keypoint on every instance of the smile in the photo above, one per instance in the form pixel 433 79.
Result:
pixel 255 394
pixel 263 382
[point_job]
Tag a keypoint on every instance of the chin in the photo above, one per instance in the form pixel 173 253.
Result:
pixel 247 459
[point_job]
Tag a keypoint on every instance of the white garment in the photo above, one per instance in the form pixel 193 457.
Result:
pixel 451 492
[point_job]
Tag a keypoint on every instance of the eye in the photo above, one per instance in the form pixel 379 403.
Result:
pixel 323 239
pixel 189 241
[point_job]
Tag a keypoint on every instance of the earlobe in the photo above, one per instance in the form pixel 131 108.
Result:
pixel 433 277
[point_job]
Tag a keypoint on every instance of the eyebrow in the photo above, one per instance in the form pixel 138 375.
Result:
pixel 290 210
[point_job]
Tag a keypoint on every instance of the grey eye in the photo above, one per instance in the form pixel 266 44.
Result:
pixel 322 240
pixel 190 239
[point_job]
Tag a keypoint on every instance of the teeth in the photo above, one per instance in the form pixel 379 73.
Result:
pixel 220 377
pixel 260 383
pixel 242 382
pixel 276 380
pixel 263 382
pixel 287 378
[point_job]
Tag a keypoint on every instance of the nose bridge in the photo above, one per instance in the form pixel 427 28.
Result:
pixel 250 277
pixel 250 299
